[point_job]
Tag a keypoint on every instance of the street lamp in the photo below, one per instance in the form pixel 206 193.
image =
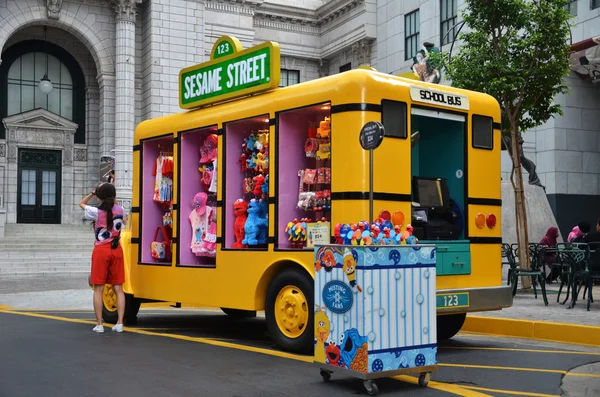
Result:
pixel 45 84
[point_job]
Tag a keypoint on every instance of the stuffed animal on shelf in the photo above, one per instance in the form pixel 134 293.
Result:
pixel 253 223
pixel 243 160
pixel 258 180
pixel 265 187
pixel 250 142
pixel 263 226
pixel 263 140
pixel 240 210
pixel 248 185
pixel 251 161
pixel 261 162
pixel 289 229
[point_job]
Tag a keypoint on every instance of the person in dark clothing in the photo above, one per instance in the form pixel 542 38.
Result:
pixel 550 241
pixel 589 237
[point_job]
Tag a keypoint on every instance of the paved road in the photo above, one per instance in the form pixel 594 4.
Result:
pixel 179 352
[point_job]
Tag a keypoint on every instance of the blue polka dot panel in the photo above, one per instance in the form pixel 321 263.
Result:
pixel 375 310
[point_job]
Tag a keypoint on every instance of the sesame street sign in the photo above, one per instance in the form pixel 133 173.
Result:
pixel 232 72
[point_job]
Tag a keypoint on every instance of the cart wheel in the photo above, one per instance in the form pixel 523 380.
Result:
pixel 371 388
pixel 424 379
pixel 326 375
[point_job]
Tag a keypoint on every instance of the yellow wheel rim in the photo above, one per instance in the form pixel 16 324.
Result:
pixel 109 298
pixel 291 311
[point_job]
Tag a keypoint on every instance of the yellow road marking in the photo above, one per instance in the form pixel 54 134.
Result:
pixel 554 371
pixel 519 350
pixel 450 388
pixel 447 387
pixel 4 307
pixel 514 393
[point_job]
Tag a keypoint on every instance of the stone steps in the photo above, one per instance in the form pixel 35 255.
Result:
pixel 40 250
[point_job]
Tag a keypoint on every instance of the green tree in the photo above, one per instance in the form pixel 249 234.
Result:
pixel 516 51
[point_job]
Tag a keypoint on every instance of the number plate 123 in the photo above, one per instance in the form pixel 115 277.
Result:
pixel 460 299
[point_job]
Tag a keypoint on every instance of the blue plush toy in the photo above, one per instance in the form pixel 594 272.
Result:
pixel 263 225
pixel 265 186
pixel 251 161
pixel 250 142
pixel 251 227
pixel 346 233
pixel 411 240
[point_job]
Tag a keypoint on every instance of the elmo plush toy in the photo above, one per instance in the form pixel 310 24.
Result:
pixel 240 209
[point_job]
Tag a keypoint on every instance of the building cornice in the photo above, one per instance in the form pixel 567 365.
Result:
pixel 244 7
pixel 335 9
pixel 323 15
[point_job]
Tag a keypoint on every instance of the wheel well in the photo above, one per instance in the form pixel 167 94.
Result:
pixel 269 275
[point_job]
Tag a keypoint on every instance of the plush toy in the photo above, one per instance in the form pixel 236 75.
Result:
pixel 258 180
pixel 240 210
pixel 263 226
pixel 243 160
pixel 411 240
pixel 387 236
pixel 251 227
pixel 289 229
pixel 248 185
pixel 346 233
pixel 261 162
pixel 251 161
pixel 265 187
pixel 250 142
pixel 263 140
pixel 337 233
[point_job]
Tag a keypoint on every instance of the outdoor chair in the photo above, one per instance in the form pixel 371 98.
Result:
pixel 508 258
pixel 586 274
pixel 536 272
pixel 570 258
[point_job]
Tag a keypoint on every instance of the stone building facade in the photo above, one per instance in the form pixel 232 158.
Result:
pixel 114 63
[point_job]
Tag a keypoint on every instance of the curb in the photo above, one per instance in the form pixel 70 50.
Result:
pixel 540 330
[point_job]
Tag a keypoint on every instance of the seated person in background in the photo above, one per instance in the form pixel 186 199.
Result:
pixel 550 240
pixel 593 240
pixel 581 229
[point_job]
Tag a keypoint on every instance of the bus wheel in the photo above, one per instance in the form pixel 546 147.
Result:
pixel 109 305
pixel 289 310
pixel 236 313
pixel 449 325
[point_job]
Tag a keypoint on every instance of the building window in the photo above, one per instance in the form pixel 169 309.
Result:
pixel 595 4
pixel 571 7
pixel 412 25
pixel 23 65
pixel 448 17
pixel 346 67
pixel 289 77
pixel 24 76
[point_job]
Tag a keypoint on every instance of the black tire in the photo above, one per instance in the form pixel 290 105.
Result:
pixel 305 283
pixel 132 307
pixel 236 313
pixel 449 325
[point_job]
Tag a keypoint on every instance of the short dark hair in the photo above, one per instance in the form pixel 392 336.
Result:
pixel 585 226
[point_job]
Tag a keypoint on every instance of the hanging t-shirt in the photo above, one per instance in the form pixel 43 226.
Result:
pixel 209 240
pixel 104 235
pixel 199 229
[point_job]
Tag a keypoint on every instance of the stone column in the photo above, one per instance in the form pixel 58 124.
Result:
pixel 125 97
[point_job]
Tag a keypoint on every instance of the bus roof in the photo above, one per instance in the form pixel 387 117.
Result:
pixel 354 86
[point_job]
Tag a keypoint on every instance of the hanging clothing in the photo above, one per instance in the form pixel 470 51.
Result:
pixel 163 183
pixel 199 221
pixel 209 240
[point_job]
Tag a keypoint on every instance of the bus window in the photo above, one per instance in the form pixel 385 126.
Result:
pixel 438 168
pixel 246 182
pixel 393 116
pixel 483 133
pixel 157 196
pixel 303 172
pixel 197 186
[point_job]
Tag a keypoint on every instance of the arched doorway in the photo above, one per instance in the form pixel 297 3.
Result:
pixel 44 132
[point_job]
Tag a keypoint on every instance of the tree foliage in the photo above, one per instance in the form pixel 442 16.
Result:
pixel 516 51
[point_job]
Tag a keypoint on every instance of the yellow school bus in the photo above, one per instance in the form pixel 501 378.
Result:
pixel 276 155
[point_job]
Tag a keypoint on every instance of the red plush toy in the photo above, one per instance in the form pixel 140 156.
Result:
pixel 242 160
pixel 258 180
pixel 240 209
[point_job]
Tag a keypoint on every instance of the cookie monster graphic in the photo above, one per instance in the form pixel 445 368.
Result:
pixel 354 350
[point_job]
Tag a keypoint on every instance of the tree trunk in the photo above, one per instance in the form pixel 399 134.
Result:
pixel 520 208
